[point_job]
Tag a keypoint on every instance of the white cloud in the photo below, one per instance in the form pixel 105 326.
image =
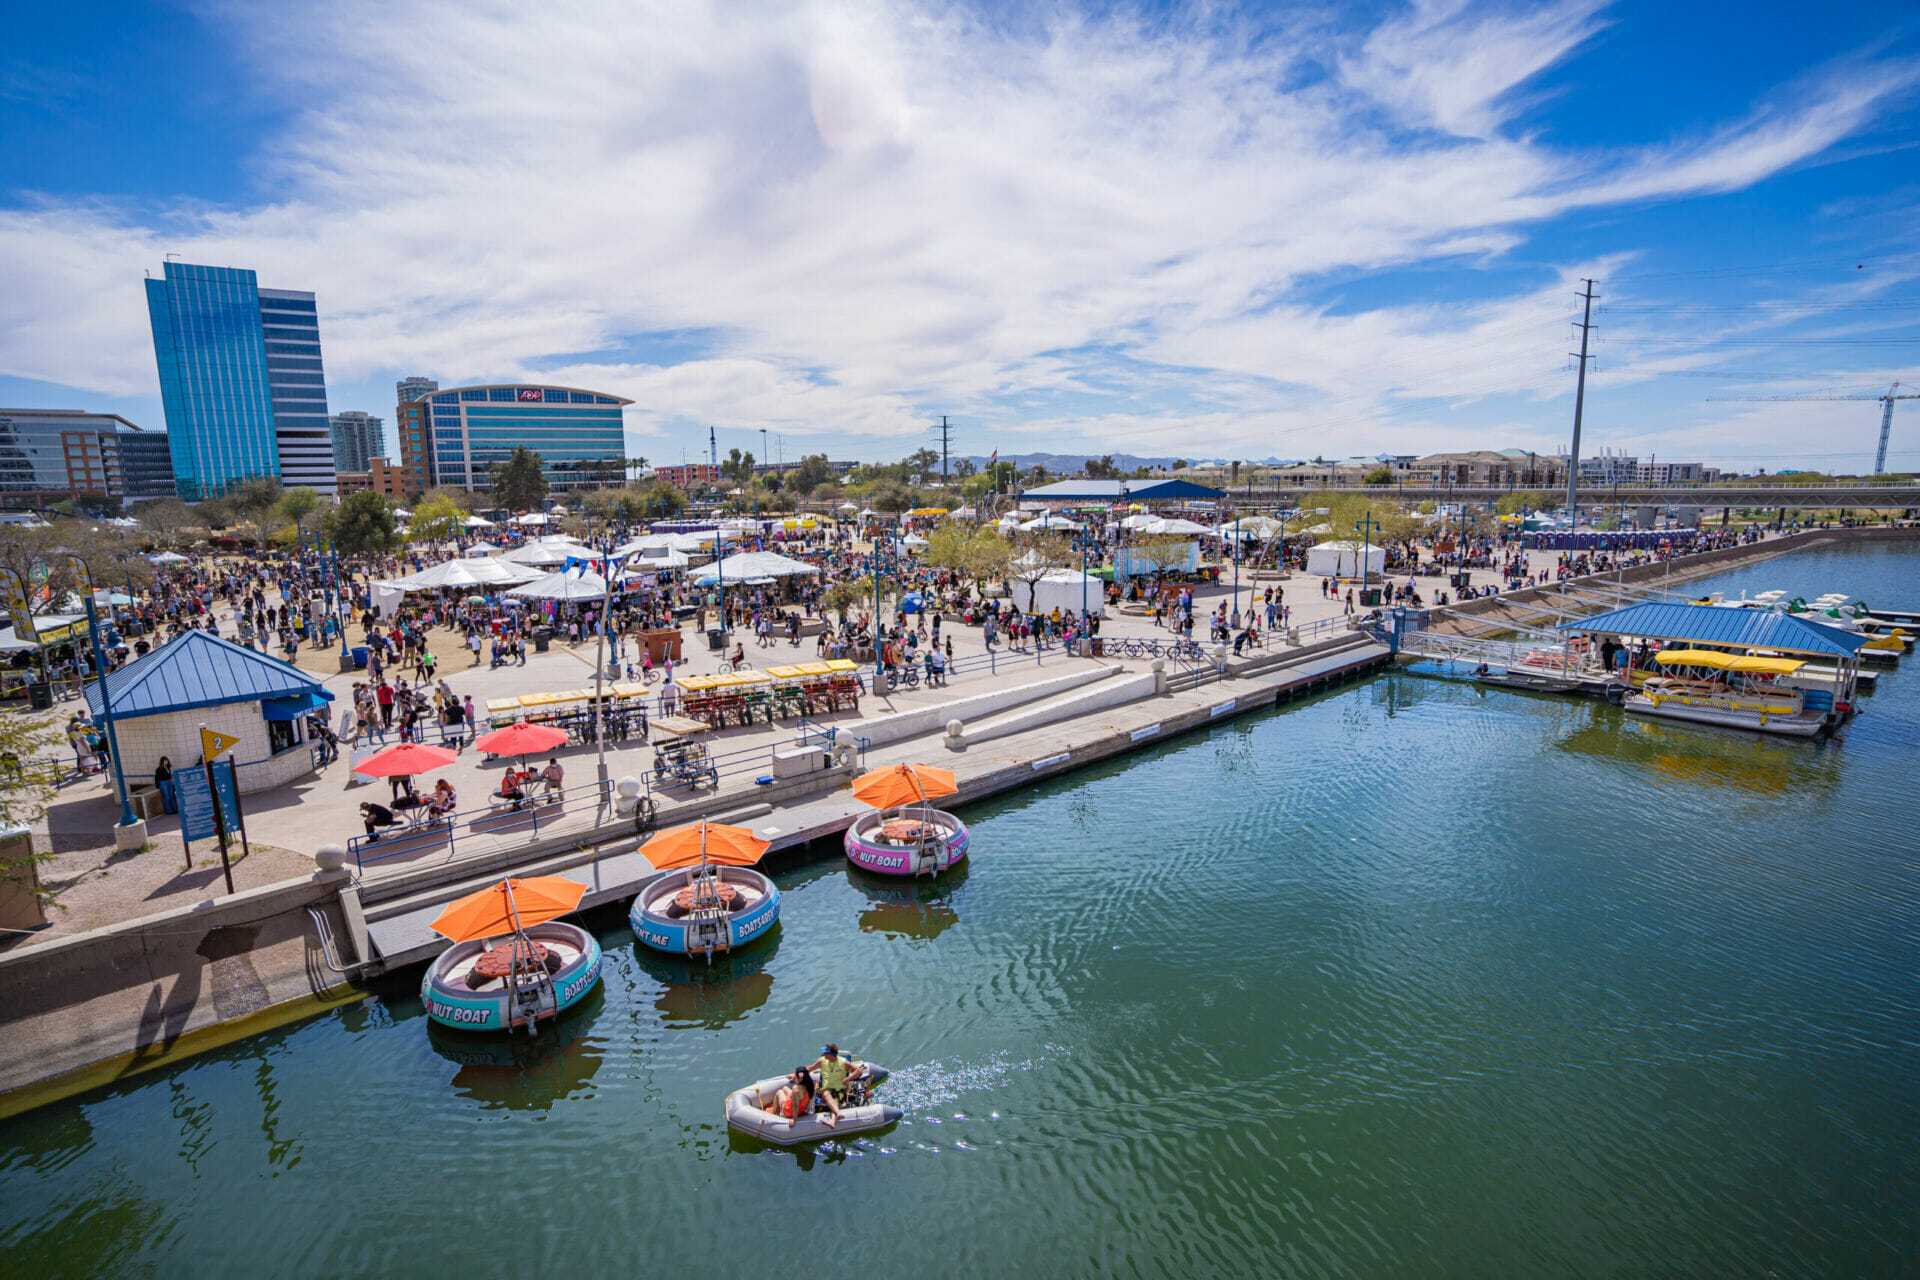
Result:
pixel 878 208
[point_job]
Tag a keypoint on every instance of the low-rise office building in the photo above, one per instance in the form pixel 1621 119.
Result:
pixel 92 459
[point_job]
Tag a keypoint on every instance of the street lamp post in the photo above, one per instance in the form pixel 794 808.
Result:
pixel 1365 526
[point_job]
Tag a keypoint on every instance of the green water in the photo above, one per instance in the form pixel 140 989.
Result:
pixel 1413 979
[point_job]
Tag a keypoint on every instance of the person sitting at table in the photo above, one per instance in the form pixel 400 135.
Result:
pixel 376 816
pixel 555 778
pixel 441 803
pixel 510 788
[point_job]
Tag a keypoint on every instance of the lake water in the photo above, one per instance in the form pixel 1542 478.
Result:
pixel 1415 978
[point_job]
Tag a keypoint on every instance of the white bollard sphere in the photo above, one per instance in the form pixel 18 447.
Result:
pixel 330 857
pixel 628 787
pixel 955 728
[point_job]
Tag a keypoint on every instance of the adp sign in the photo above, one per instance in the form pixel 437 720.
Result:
pixel 532 393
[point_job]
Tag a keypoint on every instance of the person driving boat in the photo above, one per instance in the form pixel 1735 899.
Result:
pixel 834 1073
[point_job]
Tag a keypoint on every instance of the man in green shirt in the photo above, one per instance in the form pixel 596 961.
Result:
pixel 833 1071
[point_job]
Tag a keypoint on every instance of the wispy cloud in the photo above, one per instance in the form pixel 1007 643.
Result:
pixel 872 208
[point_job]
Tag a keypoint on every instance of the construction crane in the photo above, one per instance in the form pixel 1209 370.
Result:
pixel 1886 415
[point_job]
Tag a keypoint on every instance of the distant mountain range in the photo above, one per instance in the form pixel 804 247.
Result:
pixel 1068 463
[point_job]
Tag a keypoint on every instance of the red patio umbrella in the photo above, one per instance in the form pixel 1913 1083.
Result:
pixel 521 739
pixel 404 759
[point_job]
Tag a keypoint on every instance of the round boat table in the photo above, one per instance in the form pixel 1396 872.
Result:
pixel 905 830
pixel 723 893
pixel 497 962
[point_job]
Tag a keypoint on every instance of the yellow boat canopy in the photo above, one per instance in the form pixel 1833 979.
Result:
pixel 1728 661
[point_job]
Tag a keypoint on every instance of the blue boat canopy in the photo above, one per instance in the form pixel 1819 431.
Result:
pixel 1715 624
pixel 300 704
pixel 199 670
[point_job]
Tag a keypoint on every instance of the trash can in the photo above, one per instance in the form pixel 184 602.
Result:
pixel 40 696
pixel 1370 598
pixel 542 637
pixel 360 656
pixel 716 639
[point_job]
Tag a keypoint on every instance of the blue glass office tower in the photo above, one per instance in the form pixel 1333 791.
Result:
pixel 241 381
pixel 579 435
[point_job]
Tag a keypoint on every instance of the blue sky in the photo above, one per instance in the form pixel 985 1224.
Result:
pixel 1230 231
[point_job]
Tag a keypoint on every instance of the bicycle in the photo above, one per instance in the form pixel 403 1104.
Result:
pixel 727 668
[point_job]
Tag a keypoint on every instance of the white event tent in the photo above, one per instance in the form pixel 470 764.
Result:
pixel 1063 589
pixel 1342 559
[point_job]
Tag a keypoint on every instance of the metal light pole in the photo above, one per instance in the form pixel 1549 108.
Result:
pixel 1365 526
pixel 83 578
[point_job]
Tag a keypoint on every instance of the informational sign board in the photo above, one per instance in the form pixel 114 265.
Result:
pixel 198 819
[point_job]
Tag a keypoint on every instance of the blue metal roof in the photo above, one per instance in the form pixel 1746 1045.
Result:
pixel 1111 490
pixel 198 670
pixel 1713 624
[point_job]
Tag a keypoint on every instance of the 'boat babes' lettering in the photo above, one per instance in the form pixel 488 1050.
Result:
pixel 748 928
pixel 581 983
pixel 460 1013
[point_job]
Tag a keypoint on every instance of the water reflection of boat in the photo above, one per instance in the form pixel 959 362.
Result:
pixel 515 1073
pixel 908 910
pixel 1672 753
pixel 709 996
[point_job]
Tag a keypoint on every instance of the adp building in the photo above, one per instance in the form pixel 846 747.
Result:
pixel 455 437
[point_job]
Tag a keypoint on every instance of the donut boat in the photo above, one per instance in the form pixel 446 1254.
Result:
pixel 747 1113
pixel 907 842
pixel 514 982
pixel 695 912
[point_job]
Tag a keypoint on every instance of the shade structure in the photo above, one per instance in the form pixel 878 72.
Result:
pixel 702 844
pixel 903 784
pixel 508 907
pixel 1052 522
pixel 564 585
pixel 759 564
pixel 469 571
pixel 1176 526
pixel 405 759
pixel 1748 663
pixel 479 522
pixel 530 520
pixel 522 739
pixel 544 555
pixel 167 557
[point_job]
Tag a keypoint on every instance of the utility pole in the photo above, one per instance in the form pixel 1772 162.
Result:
pixel 945 432
pixel 1579 406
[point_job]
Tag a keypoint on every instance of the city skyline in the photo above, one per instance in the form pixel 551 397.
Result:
pixel 1280 233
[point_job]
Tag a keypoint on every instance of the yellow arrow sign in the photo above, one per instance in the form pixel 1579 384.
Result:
pixel 213 742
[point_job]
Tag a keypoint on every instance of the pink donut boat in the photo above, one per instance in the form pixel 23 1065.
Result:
pixel 911 842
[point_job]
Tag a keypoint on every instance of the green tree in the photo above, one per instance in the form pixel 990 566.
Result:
pixel 893 498
pixel 1161 553
pixel 1379 475
pixel 297 503
pixel 663 501
pixel 362 524
pixel 437 518
pixel 255 498
pixel 165 521
pixel 814 470
pixel 1102 468
pixel 518 483
pixel 921 464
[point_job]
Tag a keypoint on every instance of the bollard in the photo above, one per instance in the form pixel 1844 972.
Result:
pixel 1159 675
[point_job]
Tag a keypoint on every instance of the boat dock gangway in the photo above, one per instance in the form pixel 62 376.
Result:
pixel 1557 660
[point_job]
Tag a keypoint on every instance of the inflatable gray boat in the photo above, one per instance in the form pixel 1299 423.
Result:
pixel 748 1113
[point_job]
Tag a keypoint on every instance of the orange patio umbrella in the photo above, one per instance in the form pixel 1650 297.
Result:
pixel 508 907
pixel 899 785
pixel 704 843
pixel 404 759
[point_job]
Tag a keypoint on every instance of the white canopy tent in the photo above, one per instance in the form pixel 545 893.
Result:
pixel 479 522
pixel 913 540
pixel 470 571
pixel 755 564
pixel 1342 559
pixel 1063 589
pixel 1051 521
pixel 1176 526
pixel 566 585
pixel 531 520
pixel 166 557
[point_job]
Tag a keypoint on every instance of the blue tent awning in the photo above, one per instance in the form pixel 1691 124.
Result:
pixel 300 704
